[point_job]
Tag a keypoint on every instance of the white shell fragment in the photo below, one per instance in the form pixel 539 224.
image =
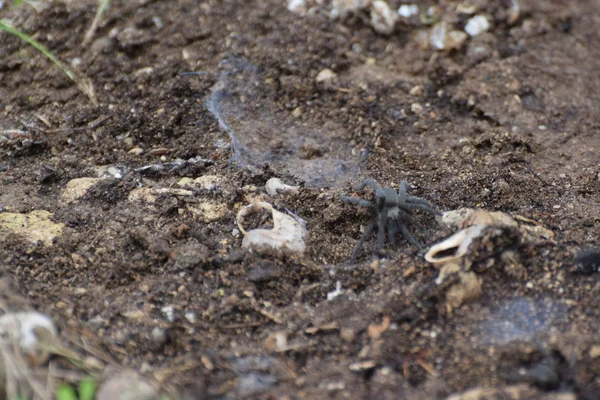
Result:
pixel 341 9
pixel 275 185
pixel 514 13
pixel 442 38
pixel 472 223
pixel 286 236
pixel 453 219
pixel 477 25
pixel 33 331
pixel 408 10
pixel 383 19
pixel 325 75
pixel 454 247
pixel 297 7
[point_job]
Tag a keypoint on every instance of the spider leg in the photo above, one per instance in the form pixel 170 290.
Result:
pixel 417 200
pixel 408 236
pixel 402 193
pixel 361 241
pixel 423 207
pixel 370 182
pixel 391 230
pixel 406 216
pixel 381 228
pixel 356 201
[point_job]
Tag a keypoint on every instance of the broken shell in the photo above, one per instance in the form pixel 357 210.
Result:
pixel 286 236
pixel 33 331
pixel 454 247
pixel 496 218
pixel 275 185
pixel 383 19
pixel 453 219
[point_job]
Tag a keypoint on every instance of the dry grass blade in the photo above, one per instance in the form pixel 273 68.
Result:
pixel 89 35
pixel 84 84
pixel 19 376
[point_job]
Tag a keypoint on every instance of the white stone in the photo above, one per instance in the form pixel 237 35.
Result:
pixel 477 25
pixel 33 331
pixel 383 19
pixel 325 75
pixel 297 7
pixel 408 10
pixel 275 185
pixel 341 9
pixel 286 236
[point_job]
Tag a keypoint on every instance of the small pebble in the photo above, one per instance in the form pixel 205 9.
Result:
pixel 417 90
pixel 168 312
pixel 408 10
pixel 297 7
pixel 383 19
pixel 138 151
pixel 325 75
pixel 477 25
pixel 416 108
pixel 190 316
pixel 126 386
pixel 159 336
pixel 595 351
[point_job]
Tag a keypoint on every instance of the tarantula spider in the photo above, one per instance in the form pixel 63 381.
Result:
pixel 390 209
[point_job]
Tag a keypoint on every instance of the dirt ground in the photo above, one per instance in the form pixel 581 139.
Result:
pixel 150 278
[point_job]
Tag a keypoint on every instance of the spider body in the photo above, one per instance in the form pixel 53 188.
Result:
pixel 392 211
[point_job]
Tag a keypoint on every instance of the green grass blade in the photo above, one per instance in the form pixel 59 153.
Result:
pixel 84 84
pixel 87 389
pixel 5 25
pixel 92 30
pixel 64 391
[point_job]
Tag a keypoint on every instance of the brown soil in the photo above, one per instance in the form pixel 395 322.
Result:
pixel 509 122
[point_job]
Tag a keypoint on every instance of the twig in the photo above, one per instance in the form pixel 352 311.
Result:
pixel 80 128
pixel 239 326
pixel 89 35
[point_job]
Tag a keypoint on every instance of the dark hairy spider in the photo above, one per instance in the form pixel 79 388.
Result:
pixel 390 210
